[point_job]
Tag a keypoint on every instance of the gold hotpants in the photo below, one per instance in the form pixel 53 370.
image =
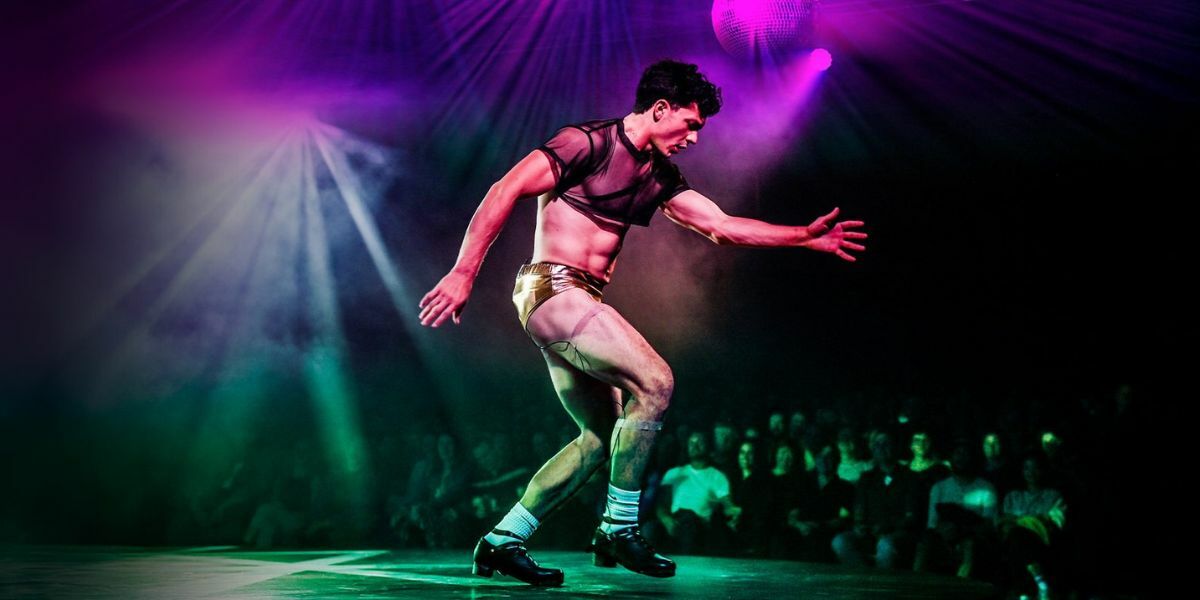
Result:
pixel 538 282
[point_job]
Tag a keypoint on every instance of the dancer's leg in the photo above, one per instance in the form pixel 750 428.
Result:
pixel 597 340
pixel 594 406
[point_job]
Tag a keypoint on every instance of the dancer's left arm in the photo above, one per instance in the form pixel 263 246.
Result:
pixel 694 211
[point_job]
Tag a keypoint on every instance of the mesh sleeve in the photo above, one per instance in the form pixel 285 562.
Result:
pixel 672 183
pixel 570 151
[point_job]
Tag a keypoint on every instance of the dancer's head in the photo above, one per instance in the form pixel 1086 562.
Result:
pixel 678 99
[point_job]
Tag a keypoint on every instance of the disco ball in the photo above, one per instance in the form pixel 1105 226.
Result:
pixel 752 29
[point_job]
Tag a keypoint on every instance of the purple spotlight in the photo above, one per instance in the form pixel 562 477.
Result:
pixel 821 59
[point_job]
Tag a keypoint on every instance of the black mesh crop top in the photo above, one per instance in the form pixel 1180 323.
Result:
pixel 598 171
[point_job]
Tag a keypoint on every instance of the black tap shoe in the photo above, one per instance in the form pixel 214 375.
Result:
pixel 631 550
pixel 512 559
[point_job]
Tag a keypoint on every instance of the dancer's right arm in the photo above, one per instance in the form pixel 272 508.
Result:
pixel 531 176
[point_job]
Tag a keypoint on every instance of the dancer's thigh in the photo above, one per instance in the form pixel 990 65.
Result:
pixel 593 404
pixel 595 339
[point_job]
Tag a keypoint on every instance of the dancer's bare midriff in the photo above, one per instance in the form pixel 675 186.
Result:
pixel 566 236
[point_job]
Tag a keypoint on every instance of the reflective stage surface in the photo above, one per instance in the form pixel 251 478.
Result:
pixel 227 572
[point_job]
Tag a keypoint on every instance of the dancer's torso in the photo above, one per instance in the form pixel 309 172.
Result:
pixel 566 236
pixel 604 184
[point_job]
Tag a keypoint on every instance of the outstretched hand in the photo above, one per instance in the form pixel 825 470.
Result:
pixel 835 239
pixel 446 299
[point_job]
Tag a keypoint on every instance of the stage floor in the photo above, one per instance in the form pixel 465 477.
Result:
pixel 232 573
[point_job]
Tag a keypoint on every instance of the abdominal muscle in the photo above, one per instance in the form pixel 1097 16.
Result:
pixel 568 237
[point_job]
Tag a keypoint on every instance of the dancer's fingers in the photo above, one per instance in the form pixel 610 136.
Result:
pixel 428 296
pixel 858 235
pixel 445 314
pixel 845 256
pixel 852 245
pixel 845 224
pixel 425 311
pixel 430 318
pixel 432 310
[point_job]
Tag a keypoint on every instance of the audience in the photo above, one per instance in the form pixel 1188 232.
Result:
pixel 777 484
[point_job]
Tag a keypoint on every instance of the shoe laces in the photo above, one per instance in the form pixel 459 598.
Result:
pixel 636 533
pixel 517 547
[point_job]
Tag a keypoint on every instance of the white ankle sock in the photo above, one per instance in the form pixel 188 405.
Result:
pixel 516 526
pixel 622 507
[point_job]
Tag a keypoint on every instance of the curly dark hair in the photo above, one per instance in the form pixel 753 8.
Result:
pixel 680 84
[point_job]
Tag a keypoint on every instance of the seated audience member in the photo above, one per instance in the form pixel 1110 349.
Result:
pixel 997 468
pixel 961 515
pixel 441 517
pixel 1030 523
pixel 822 512
pixel 925 465
pixel 850 466
pixel 725 449
pixel 886 521
pixel 752 492
pixel 788 483
pixel 801 435
pixel 698 492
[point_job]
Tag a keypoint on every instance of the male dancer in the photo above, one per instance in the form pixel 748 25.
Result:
pixel 595 179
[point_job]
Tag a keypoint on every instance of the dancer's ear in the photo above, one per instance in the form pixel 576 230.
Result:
pixel 660 109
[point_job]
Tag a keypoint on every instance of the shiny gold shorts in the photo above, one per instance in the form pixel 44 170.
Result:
pixel 538 282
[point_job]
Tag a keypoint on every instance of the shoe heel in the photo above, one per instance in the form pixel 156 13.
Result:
pixel 603 560
pixel 482 570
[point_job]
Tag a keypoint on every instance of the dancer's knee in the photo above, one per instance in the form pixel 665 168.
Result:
pixel 654 397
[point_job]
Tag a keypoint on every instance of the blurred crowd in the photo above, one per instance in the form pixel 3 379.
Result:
pixel 1032 496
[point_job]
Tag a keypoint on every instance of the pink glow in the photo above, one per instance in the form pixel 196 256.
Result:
pixel 821 59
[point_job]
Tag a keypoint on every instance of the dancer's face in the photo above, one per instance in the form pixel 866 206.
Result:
pixel 675 128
